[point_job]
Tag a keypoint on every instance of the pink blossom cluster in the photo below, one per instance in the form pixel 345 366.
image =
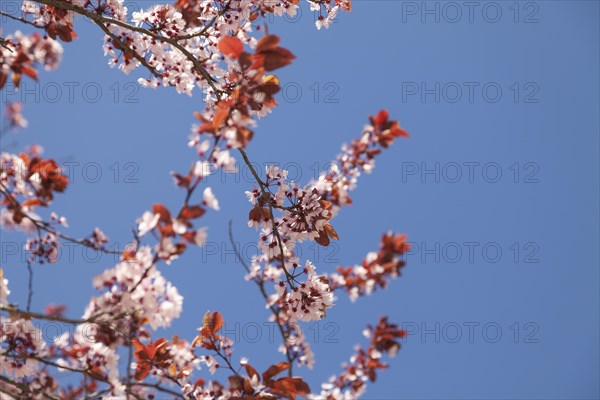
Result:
pixel 328 10
pixel 187 55
pixel 309 300
pixel 357 157
pixel 135 287
pixel 363 365
pixel 24 340
pixel 85 350
pixel 20 340
pixel 15 118
pixel 20 54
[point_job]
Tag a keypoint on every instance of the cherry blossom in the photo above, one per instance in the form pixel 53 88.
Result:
pixel 98 238
pixel 203 169
pixel 200 236
pixel 16 119
pixel 147 222
pixel 209 199
pixel 4 291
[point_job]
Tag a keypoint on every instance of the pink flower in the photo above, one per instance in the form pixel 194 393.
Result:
pixel 209 199
pixel 15 118
pixel 200 237
pixel 147 222
pixel 203 169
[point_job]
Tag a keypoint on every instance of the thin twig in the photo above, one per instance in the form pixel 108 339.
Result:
pixel 159 388
pixel 264 191
pixel 45 226
pixel 30 285
pixel 92 320
pixel 275 311
pixel 22 20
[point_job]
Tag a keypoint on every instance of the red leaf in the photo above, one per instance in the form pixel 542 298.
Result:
pixel 192 212
pixel 268 42
pixel 32 202
pixel 331 232
pixel 274 370
pixel 382 117
pixel 212 322
pixel 290 387
pixel 269 55
pixel 345 5
pixel 323 239
pixel 30 72
pixel 277 58
pixel 220 116
pixel 231 46
pixel 165 215
pixel 251 371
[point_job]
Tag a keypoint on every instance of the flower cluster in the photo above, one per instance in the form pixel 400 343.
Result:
pixel 351 384
pixel 309 300
pixel 358 156
pixel 135 287
pixel 178 52
pixel 20 341
pixel 328 10
pixel 298 348
pixel 249 91
pixel 20 54
pixel 305 216
pixel 26 182
pixel 85 350
pixel 57 22
pixel 22 345
pixel 376 269
pixel 43 249
pixel 168 227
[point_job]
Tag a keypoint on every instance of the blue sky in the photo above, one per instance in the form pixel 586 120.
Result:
pixel 497 187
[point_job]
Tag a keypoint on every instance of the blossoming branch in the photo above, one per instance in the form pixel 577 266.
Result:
pixel 223 50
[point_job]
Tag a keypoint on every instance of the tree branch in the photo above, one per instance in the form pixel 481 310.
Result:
pixel 101 20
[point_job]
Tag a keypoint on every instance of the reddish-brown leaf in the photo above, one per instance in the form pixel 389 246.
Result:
pixel 274 370
pixel 191 212
pixel 290 387
pixel 231 46
pixel 382 117
pixel 251 371
pixel 220 116
pixel 323 239
pixel 165 215
pixel 331 232
pixel 212 322
pixel 267 43
pixel 32 202
pixel 277 58
pixel 345 5
pixel 181 180
pixel 30 72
